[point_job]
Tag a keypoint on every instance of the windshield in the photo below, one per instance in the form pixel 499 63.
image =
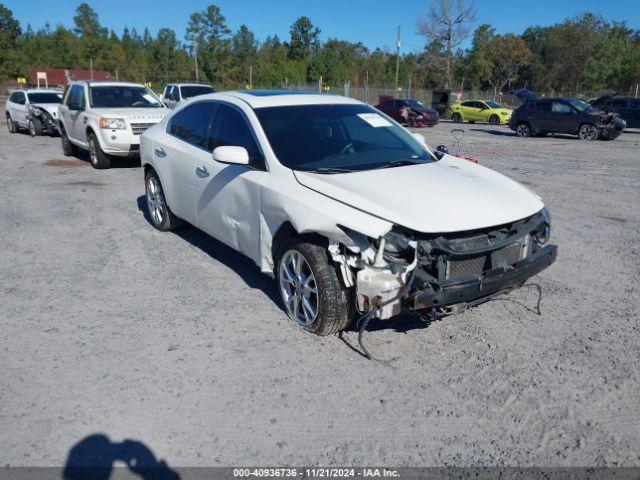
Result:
pixel 338 138
pixel 493 104
pixel 195 90
pixel 45 97
pixel 123 96
pixel 581 105
pixel 415 104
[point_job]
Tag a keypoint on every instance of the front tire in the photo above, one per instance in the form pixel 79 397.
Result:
pixel 99 159
pixel 523 130
pixel 35 127
pixel 159 212
pixel 456 117
pixel 310 288
pixel 68 148
pixel 588 132
pixel 494 120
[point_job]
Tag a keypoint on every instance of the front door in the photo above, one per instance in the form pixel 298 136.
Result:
pixel 228 196
pixel 564 117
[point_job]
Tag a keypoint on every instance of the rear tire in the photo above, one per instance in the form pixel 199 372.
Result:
pixel 523 130
pixel 99 159
pixel 494 120
pixel 317 286
pixel 11 125
pixel 160 214
pixel 35 127
pixel 68 148
pixel 456 117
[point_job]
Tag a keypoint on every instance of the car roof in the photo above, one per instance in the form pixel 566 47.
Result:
pixel 277 98
pixel 106 83
pixel 42 90
pixel 189 85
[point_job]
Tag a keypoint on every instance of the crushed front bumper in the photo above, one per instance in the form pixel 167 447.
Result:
pixel 474 291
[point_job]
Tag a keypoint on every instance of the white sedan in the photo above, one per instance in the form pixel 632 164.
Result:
pixel 347 209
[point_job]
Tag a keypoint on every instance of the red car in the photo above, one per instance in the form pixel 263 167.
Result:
pixel 409 112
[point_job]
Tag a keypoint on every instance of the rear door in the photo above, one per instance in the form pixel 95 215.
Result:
pixel 18 108
pixel 176 153
pixel 540 117
pixel 228 196
pixel 633 116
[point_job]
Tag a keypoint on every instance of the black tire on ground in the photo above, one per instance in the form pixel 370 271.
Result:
pixel 160 214
pixel 335 302
pixel 11 125
pixel 588 132
pixel 35 127
pixel 494 120
pixel 523 130
pixel 99 159
pixel 472 121
pixel 456 117
pixel 68 148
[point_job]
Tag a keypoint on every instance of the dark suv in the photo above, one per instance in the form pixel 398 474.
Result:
pixel 565 115
pixel 627 107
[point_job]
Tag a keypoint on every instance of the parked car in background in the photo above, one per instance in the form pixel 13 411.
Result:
pixel 480 111
pixel 627 107
pixel 176 93
pixel 107 118
pixel 35 110
pixel 409 112
pixel 348 210
pixel 565 115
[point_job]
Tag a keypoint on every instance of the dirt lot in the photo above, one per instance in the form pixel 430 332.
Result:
pixel 109 326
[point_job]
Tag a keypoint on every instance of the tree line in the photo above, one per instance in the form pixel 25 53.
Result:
pixel 582 54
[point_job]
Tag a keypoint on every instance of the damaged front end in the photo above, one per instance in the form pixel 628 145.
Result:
pixel 47 122
pixel 441 274
pixel 610 125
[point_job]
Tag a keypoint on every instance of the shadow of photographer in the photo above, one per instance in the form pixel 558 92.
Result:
pixel 93 458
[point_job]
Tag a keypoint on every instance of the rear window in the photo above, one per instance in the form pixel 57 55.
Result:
pixel 195 90
pixel 191 123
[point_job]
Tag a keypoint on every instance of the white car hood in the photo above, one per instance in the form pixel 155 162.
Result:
pixel 52 108
pixel 446 196
pixel 141 115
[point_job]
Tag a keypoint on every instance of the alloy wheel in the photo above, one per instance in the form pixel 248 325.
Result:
pixel 587 132
pixel 93 154
pixel 298 288
pixel 155 200
pixel 523 130
pixel 494 120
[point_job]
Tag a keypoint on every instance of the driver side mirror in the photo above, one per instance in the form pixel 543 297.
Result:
pixel 442 149
pixel 232 155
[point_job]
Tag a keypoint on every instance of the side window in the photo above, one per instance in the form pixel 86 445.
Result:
pixel 76 97
pixel 231 129
pixel 165 94
pixel 12 97
pixel 559 107
pixel 191 123
pixel 618 103
pixel 468 104
pixel 19 98
pixel 174 95
pixel 542 106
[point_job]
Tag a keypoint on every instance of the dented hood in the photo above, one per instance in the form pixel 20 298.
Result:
pixel 445 196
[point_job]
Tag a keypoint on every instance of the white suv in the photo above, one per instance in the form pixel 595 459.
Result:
pixel 107 118
pixel 349 210
pixel 176 93
pixel 35 110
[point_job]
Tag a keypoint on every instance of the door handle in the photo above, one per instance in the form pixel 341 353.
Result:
pixel 160 153
pixel 202 172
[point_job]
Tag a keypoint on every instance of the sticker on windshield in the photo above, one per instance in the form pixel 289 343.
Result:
pixel 375 120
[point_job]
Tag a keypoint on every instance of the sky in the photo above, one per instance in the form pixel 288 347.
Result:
pixel 372 22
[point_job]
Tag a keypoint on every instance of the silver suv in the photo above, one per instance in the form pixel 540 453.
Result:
pixel 107 119
pixel 176 93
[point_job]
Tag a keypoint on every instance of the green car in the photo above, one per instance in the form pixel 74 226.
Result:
pixel 480 111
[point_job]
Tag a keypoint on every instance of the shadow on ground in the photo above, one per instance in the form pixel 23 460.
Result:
pixel 94 458
pixel 116 162
pixel 243 266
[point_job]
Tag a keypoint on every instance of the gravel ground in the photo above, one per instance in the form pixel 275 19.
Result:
pixel 174 340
